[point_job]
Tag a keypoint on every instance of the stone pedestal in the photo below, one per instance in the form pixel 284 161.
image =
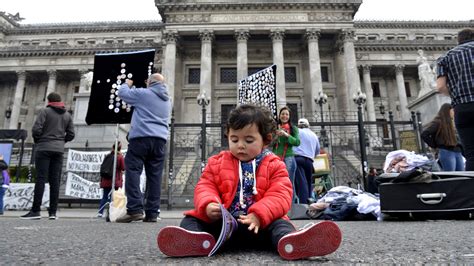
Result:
pixel 428 105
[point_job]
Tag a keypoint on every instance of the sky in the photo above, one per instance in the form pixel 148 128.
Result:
pixel 64 11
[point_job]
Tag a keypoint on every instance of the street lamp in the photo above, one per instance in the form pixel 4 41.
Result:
pixel 360 98
pixel 322 99
pixel 203 101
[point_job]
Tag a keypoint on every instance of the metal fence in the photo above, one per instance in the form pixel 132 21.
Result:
pixel 352 145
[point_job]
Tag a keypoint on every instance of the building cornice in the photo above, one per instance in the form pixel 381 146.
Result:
pixel 64 50
pixel 403 45
pixel 397 24
pixel 86 27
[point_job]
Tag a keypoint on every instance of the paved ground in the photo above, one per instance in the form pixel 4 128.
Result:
pixel 78 238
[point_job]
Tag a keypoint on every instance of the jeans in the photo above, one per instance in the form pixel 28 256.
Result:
pixel 463 114
pixel 451 160
pixel 304 178
pixel 49 165
pixel 105 199
pixel 2 193
pixel 243 238
pixel 290 163
pixel 148 152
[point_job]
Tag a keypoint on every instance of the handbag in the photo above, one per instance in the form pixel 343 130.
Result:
pixel 118 206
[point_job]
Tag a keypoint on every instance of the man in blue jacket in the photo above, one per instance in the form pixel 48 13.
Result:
pixel 147 146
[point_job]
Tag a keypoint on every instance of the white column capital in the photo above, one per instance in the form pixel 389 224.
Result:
pixel 347 35
pixel 52 73
pixel 366 68
pixel 312 34
pixel 242 35
pixel 170 37
pixel 21 74
pixel 206 35
pixel 399 69
pixel 277 35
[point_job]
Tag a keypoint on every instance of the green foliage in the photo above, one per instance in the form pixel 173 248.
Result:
pixel 23 174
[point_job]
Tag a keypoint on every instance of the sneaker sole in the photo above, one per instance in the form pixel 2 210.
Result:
pixel 31 218
pixel 175 241
pixel 320 239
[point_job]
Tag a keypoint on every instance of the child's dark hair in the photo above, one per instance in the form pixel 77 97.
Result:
pixel 247 114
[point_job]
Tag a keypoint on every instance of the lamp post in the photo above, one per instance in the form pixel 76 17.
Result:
pixel 360 98
pixel 203 101
pixel 322 99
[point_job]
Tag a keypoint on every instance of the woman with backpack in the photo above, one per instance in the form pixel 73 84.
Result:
pixel 106 170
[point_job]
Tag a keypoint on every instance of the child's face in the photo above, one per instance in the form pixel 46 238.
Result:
pixel 245 143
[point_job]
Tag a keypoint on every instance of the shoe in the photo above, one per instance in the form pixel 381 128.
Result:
pixel 52 216
pixel 318 239
pixel 99 215
pixel 150 219
pixel 175 241
pixel 128 218
pixel 31 215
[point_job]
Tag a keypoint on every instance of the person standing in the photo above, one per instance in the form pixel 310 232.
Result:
pixel 441 134
pixel 147 146
pixel 53 127
pixel 304 156
pixel 287 138
pixel 5 181
pixel 106 180
pixel 456 78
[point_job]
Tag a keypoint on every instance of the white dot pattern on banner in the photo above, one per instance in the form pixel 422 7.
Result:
pixel 260 89
pixel 115 103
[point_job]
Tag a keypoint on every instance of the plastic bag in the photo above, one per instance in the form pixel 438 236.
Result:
pixel 118 206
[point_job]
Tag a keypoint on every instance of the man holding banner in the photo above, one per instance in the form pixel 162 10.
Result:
pixel 147 145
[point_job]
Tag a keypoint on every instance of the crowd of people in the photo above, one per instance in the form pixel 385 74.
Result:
pixel 273 159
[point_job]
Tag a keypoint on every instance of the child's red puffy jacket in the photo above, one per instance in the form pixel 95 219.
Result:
pixel 220 179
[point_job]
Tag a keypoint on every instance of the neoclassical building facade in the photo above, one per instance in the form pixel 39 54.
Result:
pixel 206 47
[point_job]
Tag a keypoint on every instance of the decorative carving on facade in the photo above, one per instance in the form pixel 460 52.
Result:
pixel 206 35
pixel 256 18
pixel 379 24
pixel 242 35
pixel 329 17
pixel 293 54
pixel 227 54
pixel 277 34
pixel 399 69
pixel 190 55
pixel 21 74
pixel 188 18
pixel 312 34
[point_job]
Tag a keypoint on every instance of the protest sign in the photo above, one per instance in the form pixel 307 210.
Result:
pixel 79 187
pixel 85 161
pixel 19 196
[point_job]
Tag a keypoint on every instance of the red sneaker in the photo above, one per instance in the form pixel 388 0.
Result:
pixel 175 241
pixel 318 239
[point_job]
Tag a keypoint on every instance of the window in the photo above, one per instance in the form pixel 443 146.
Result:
pixel 375 89
pixel 53 43
pixel 419 37
pixel 149 40
pixel 25 43
pixel 81 42
pixel 407 89
pixel 63 42
pixel 325 74
pixel 448 37
pixel 431 37
pixel 90 42
pixel 35 43
pixel 372 37
pixel 228 75
pixel 194 75
pixel 361 37
pixel 138 41
pixel 402 37
pixel 390 37
pixel 109 41
pixel 120 41
pixel 290 75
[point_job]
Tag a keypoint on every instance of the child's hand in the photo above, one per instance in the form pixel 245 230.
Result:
pixel 213 211
pixel 252 220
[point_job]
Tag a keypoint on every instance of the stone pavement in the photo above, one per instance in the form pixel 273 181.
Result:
pixel 87 213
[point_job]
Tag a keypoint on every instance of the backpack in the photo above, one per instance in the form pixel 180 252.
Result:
pixel 107 166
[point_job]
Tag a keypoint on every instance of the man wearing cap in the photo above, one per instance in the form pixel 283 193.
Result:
pixel 304 155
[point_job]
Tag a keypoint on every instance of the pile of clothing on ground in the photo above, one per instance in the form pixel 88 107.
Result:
pixel 402 160
pixel 343 203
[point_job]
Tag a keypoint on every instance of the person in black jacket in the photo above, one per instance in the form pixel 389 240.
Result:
pixel 441 134
pixel 52 129
pixel 3 186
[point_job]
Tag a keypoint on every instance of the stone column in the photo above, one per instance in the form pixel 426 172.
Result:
pixel 52 75
pixel 277 36
pixel 370 98
pixel 343 100
pixel 402 95
pixel 82 98
pixel 19 90
pixel 242 62
pixel 169 63
pixel 83 81
pixel 316 82
pixel 206 36
pixel 352 74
